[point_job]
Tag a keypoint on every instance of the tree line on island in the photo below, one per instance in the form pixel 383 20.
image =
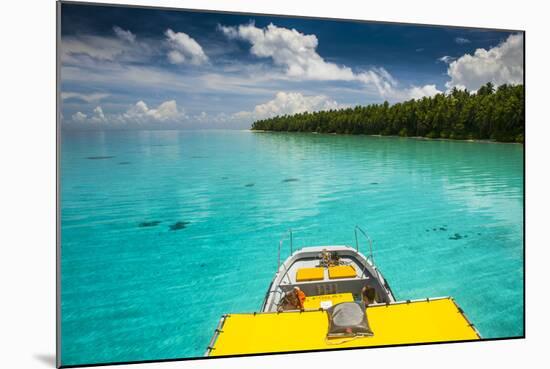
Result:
pixel 489 114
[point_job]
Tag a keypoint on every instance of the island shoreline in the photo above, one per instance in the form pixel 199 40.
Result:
pixel 420 138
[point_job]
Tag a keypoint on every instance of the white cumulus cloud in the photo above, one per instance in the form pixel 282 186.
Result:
pixel 79 117
pixel 289 103
pixel 96 47
pixel 297 54
pixel 140 113
pixel 290 49
pixel 462 40
pixel 92 50
pixel 98 116
pixel 447 59
pixel 89 98
pixel 184 49
pixel 125 35
pixel 499 65
pixel 420 92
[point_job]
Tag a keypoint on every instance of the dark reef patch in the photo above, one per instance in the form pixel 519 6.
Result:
pixel 99 157
pixel 442 228
pixel 178 225
pixel 456 236
pixel 374 183
pixel 150 223
pixel 290 180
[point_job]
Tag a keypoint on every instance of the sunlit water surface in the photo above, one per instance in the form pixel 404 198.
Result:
pixel 446 218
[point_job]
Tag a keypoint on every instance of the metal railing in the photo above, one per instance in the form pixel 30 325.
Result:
pixel 371 254
pixel 281 245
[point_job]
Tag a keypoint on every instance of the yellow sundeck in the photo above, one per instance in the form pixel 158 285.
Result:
pixel 326 297
pixel 418 321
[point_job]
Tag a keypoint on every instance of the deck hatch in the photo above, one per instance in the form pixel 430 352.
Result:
pixel 342 271
pixel 310 274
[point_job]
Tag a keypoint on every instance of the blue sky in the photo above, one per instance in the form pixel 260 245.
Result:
pixel 136 68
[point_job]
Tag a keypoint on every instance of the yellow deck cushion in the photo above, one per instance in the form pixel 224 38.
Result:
pixel 314 302
pixel 310 274
pixel 341 271
pixel 403 323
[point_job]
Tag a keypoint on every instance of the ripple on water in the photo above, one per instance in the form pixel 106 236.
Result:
pixel 126 287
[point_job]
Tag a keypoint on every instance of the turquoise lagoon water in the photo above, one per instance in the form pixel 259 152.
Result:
pixel 446 218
